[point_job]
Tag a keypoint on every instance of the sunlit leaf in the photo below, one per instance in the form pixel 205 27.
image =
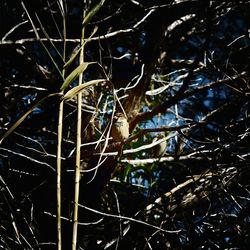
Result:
pixel 74 91
pixel 74 74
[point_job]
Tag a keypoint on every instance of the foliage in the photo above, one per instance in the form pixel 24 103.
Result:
pixel 179 69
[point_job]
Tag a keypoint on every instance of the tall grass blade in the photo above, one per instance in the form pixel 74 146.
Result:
pixel 22 118
pixel 39 39
pixel 74 55
pixel 47 36
pixel 74 74
pixel 92 13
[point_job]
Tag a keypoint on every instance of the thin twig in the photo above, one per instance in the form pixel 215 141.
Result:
pixel 120 217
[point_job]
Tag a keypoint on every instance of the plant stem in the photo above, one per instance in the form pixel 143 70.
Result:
pixel 59 146
pixel 78 150
pixel 58 180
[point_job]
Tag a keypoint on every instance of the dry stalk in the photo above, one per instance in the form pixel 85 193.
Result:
pixel 78 147
pixel 58 179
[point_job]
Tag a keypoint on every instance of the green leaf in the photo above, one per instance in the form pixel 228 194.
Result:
pixel 74 74
pixel 76 90
pixel 72 58
pixel 20 120
pixel 74 55
pixel 92 13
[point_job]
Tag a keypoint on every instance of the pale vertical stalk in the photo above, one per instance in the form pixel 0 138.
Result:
pixel 59 146
pixel 78 152
pixel 58 179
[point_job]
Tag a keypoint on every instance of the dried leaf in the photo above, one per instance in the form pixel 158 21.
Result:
pixel 76 90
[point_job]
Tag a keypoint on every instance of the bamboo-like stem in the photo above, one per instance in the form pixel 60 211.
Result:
pixel 78 151
pixel 86 19
pixel 58 179
pixel 59 148
pixel 77 170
